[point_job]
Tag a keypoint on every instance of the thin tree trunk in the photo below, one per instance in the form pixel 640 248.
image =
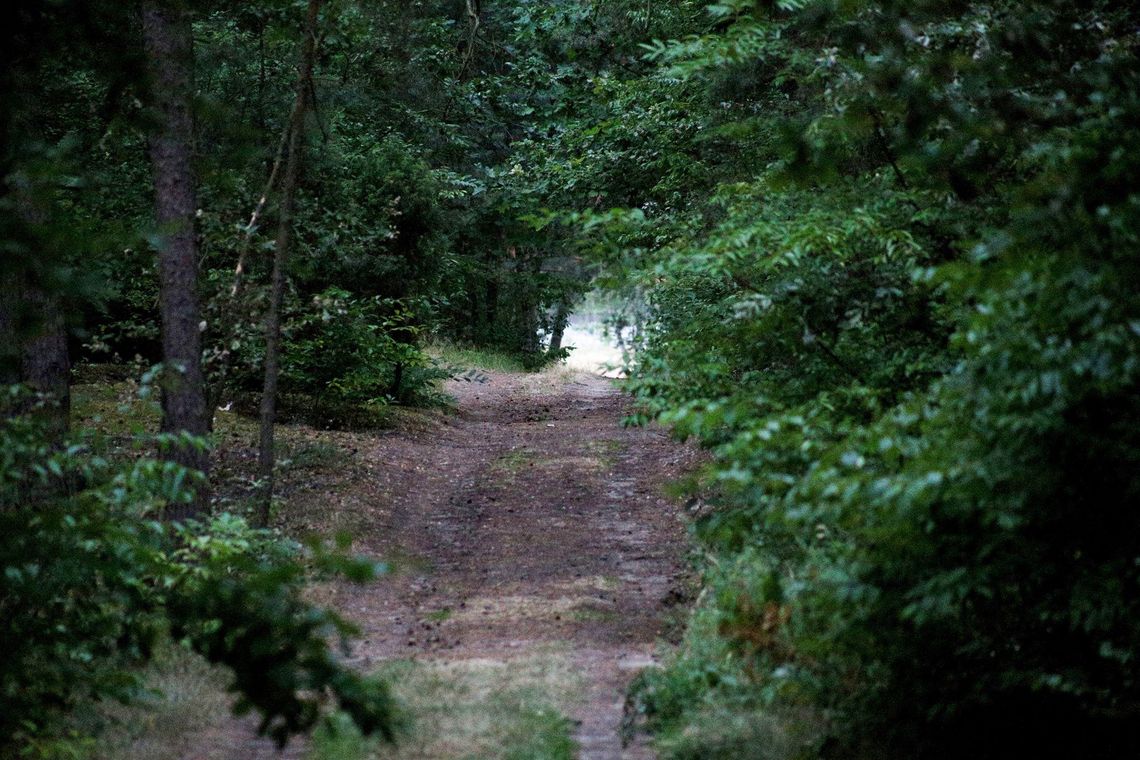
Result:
pixel 266 454
pixel 9 293
pixel 528 310
pixel 259 116
pixel 168 39
pixel 473 31
pixel 560 318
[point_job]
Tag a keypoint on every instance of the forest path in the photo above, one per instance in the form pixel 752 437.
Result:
pixel 536 560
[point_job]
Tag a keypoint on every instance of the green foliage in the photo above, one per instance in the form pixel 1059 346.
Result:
pixel 888 251
pixel 394 203
pixel 882 257
pixel 377 219
pixel 340 739
pixel 349 353
pixel 93 578
pixel 250 617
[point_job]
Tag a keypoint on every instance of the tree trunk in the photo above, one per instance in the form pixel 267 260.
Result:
pixel 560 318
pixel 33 333
pixel 10 353
pixel 168 39
pixel 34 338
pixel 528 312
pixel 45 364
pixel 266 454
pixel 33 345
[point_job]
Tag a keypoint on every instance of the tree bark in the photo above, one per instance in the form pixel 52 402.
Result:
pixel 34 341
pixel 559 329
pixel 528 309
pixel 266 454
pixel 45 364
pixel 168 40
pixel 472 7
pixel 33 338
pixel 10 353
pixel 33 332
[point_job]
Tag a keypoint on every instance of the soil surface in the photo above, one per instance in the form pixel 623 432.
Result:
pixel 528 524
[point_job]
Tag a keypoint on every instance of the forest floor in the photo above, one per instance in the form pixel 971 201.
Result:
pixel 537 563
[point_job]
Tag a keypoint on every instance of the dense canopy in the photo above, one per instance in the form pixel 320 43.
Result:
pixel 880 259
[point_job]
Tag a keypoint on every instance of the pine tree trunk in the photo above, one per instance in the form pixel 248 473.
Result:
pixel 33 333
pixel 168 39
pixel 266 454
pixel 33 341
pixel 561 316
pixel 45 364
pixel 528 313
pixel 9 335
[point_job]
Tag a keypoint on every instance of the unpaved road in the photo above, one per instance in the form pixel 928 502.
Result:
pixel 528 527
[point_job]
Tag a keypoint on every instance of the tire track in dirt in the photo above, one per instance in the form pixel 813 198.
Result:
pixel 528 525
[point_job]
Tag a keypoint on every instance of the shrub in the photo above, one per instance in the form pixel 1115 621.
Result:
pixel 345 360
pixel 911 344
pixel 93 578
pixel 347 352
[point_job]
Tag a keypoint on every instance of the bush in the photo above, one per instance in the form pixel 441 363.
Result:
pixel 912 345
pixel 345 360
pixel 350 353
pixel 93 578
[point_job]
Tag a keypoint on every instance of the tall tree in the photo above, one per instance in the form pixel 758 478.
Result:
pixel 33 350
pixel 45 366
pixel 168 42
pixel 33 335
pixel 266 455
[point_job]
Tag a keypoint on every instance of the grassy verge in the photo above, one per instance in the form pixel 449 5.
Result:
pixel 707 703
pixel 463 710
pixel 183 696
pixel 467 709
pixel 475 358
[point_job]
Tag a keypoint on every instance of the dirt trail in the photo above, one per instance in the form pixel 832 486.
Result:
pixel 528 526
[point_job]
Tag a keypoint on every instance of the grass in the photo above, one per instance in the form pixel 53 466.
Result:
pixel 704 703
pixel 513 462
pixel 114 409
pixel 730 732
pixel 474 358
pixel 438 616
pixel 185 696
pixel 401 561
pixel 606 451
pixel 313 455
pixel 593 615
pixel 466 710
